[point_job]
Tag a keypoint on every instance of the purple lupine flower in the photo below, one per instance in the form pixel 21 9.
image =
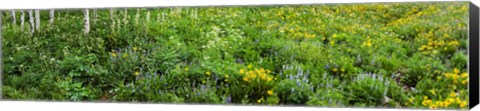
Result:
pixel 298 82
pixel 327 66
pixel 202 87
pixel 229 99
pixel 293 90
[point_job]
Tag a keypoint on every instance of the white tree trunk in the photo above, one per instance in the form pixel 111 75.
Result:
pixel 14 17
pixel 32 21
pixel 112 20
pixel 95 15
pixel 87 21
pixel 52 16
pixel 22 19
pixel 37 20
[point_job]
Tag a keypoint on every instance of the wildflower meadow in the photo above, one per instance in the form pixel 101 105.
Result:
pixel 395 55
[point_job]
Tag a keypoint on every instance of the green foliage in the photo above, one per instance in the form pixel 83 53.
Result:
pixel 319 55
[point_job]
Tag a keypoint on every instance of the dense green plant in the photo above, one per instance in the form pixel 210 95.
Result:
pixel 319 55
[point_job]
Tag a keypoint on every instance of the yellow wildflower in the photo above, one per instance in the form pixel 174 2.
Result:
pixel 453 94
pixel 448 102
pixel 334 69
pixel 463 104
pixel 427 102
pixel 269 79
pixel 448 75
pixel 251 72
pixel 463 75
pixel 114 54
pixel 208 73
pixel 137 73
pixel 433 107
pixel 456 71
pixel 270 92
pixel 125 55
pixel 245 79
pixel 134 48
pixel 464 82
pixel 242 71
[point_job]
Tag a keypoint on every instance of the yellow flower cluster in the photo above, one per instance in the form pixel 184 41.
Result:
pixel 296 33
pixel 256 74
pixel 453 100
pixel 367 43
pixel 432 45
pixel 411 18
pixel 456 76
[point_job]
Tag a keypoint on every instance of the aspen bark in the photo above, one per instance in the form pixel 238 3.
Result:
pixel 112 20
pixel 37 20
pixel 22 19
pixel 95 15
pixel 87 21
pixel 14 17
pixel 32 21
pixel 52 16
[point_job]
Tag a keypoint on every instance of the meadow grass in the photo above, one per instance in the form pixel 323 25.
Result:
pixel 410 55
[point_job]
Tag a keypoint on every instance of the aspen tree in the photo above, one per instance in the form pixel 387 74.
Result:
pixel 14 17
pixel 37 20
pixel 95 15
pixel 22 19
pixel 52 16
pixel 86 21
pixel 32 21
pixel 112 20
